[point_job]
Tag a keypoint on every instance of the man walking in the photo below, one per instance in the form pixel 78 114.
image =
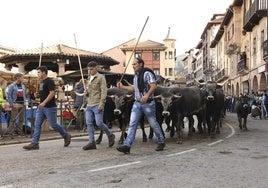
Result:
pixel 47 109
pixel 144 86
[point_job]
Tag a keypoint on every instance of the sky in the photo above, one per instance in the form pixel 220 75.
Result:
pixel 100 25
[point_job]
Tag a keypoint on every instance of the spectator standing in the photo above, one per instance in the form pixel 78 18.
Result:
pixel 16 96
pixel 79 94
pixel 264 104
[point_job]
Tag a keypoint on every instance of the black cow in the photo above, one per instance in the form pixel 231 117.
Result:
pixel 215 100
pixel 179 103
pixel 118 106
pixel 160 116
pixel 242 110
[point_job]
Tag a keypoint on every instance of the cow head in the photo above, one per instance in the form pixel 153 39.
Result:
pixel 166 99
pixel 120 101
pixel 244 99
pixel 210 88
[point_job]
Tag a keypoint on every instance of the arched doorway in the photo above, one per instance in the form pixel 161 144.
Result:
pixel 263 84
pixel 245 87
pixel 255 84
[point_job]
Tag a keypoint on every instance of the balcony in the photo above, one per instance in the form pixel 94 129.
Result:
pixel 265 51
pixel 221 75
pixel 242 66
pixel 257 10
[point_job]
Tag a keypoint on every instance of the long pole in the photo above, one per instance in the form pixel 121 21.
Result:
pixel 79 62
pixel 41 53
pixel 40 62
pixel 134 49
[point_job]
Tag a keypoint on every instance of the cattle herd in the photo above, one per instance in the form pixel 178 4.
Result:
pixel 173 104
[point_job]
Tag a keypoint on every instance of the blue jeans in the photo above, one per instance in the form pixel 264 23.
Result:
pixel 137 111
pixel 91 113
pixel 51 115
pixel 264 111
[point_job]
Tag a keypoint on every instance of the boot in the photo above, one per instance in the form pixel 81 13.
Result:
pixel 31 146
pixel 90 146
pixel 67 140
pixel 111 140
pixel 160 147
pixel 124 149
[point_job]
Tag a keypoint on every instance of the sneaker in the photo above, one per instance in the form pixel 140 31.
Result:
pixel 90 146
pixel 67 140
pixel 124 149
pixel 160 147
pixel 31 146
pixel 111 140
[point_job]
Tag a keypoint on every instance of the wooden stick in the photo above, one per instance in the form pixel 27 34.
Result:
pixel 79 61
pixel 41 53
pixel 134 48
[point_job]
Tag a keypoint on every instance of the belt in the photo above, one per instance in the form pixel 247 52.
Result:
pixel 148 101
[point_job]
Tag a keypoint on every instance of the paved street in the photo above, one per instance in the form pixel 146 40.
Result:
pixel 233 159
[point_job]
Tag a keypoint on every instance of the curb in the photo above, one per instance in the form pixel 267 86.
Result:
pixel 27 139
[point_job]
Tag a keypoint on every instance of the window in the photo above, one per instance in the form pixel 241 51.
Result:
pixel 165 55
pixel 165 71
pixel 262 38
pixel 170 55
pixel 170 72
pixel 157 71
pixel 137 54
pixel 254 45
pixel 156 56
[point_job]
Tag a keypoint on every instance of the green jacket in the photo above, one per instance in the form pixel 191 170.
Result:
pixel 97 91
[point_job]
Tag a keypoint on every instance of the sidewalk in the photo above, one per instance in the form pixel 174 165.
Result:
pixel 48 135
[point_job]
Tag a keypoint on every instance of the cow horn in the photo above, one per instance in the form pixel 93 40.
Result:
pixel 111 96
pixel 177 96
pixel 199 83
pixel 128 96
pixel 157 97
pixel 222 84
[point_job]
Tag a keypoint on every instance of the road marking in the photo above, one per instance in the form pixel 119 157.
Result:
pixel 116 166
pixel 180 153
pixel 6 186
pixel 229 136
pixel 233 130
pixel 214 143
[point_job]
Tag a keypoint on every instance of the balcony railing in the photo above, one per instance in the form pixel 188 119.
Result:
pixel 257 10
pixel 222 74
pixel 242 66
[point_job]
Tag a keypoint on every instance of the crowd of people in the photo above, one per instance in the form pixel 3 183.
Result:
pixel 258 103
pixel 90 95
pixel 94 91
